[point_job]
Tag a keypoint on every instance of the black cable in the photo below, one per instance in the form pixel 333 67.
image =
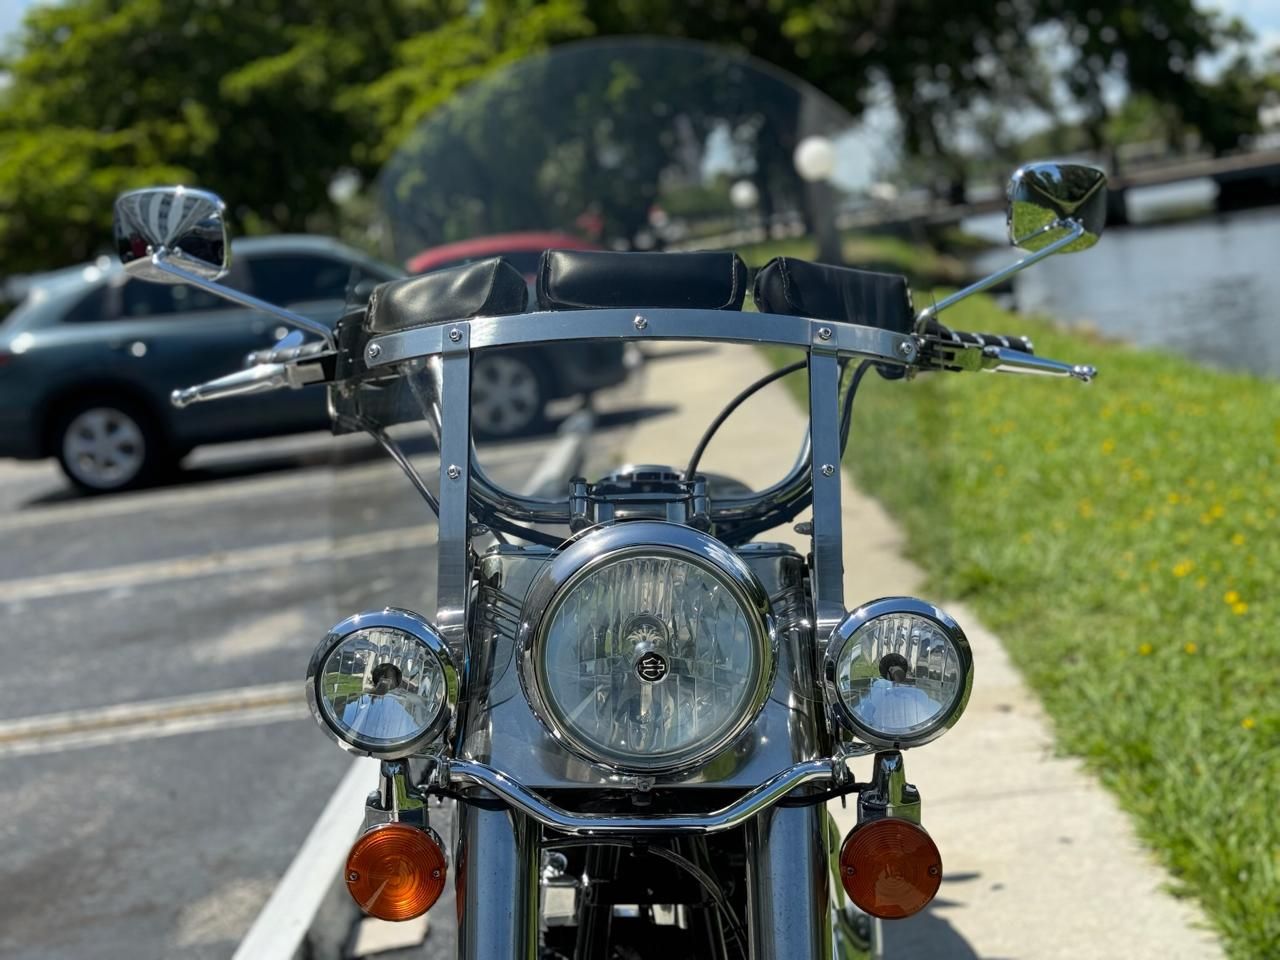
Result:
pixel 782 514
pixel 733 405
pixel 846 415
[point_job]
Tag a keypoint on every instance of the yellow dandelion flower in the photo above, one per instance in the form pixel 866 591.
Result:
pixel 1183 567
pixel 1173 498
pixel 1240 609
pixel 1144 649
pixel 1108 445
pixel 1201 582
pixel 1238 539
pixel 1190 647
pixel 1086 509
pixel 1217 511
pixel 1248 723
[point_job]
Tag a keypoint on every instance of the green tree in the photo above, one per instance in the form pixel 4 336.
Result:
pixel 263 103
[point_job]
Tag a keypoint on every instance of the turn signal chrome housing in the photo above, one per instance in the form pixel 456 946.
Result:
pixel 890 867
pixel 396 871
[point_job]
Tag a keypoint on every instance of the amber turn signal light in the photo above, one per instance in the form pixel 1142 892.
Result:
pixel 890 867
pixel 396 871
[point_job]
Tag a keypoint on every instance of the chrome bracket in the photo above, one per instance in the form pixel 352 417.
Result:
pixel 397 799
pixel 889 794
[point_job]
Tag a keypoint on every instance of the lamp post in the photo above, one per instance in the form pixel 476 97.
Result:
pixel 815 161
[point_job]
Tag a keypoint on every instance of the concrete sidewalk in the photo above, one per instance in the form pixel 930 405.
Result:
pixel 1039 861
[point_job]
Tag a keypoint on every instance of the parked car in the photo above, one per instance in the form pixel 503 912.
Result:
pixel 511 388
pixel 88 359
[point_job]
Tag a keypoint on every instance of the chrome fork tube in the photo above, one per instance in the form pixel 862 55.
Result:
pixel 788 898
pixel 497 885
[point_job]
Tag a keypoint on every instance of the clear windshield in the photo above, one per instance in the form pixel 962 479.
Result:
pixel 626 144
pixel 631 145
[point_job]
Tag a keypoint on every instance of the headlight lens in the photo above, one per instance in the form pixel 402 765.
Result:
pixel 647 647
pixel 898 672
pixel 382 684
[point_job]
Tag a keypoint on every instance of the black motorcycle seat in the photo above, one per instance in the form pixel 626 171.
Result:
pixel 818 290
pixel 598 279
pixel 485 288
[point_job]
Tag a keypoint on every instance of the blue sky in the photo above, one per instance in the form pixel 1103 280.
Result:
pixel 1262 15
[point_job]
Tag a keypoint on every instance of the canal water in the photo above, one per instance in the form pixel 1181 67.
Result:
pixel 1208 288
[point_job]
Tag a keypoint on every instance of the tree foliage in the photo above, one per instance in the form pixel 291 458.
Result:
pixel 267 102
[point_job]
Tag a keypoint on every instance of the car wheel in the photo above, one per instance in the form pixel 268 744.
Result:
pixel 508 395
pixel 105 445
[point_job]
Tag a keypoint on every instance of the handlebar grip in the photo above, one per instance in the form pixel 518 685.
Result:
pixel 965 338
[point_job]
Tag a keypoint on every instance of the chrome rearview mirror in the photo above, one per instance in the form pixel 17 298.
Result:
pixel 179 235
pixel 183 226
pixel 1046 200
pixel 1053 208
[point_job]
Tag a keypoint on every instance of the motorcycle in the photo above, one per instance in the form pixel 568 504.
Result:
pixel 637 711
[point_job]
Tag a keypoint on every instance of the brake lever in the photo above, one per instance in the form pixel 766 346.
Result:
pixel 261 378
pixel 947 355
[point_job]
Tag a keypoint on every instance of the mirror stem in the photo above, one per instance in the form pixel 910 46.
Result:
pixel 161 262
pixel 1077 231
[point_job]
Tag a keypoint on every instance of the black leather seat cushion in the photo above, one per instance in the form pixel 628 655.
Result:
pixel 800 288
pixel 486 288
pixel 587 279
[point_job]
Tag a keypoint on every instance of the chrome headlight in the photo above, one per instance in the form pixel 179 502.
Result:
pixel 382 684
pixel 646 647
pixel 898 672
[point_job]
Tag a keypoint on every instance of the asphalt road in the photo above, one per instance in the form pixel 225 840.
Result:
pixel 145 815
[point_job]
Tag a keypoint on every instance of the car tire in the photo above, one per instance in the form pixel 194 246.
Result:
pixel 509 394
pixel 105 445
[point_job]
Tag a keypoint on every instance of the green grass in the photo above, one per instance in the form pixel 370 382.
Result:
pixel 1123 539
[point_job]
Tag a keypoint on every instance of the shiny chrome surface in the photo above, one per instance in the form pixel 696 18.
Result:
pixel 496 883
pixel 188 226
pixel 498 728
pixel 1074 231
pixel 178 235
pixel 884 607
pixel 260 378
pixel 644 539
pixel 848 339
pixel 1046 197
pixel 451 376
pixel 889 794
pixel 788 896
pixel 824 459
pixel 405 621
pixel 524 800
pixel 397 799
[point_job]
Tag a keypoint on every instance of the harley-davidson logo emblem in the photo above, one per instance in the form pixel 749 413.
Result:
pixel 652 667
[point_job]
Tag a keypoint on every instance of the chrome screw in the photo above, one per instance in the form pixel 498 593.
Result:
pixel 640 322
pixel 455 334
pixel 828 469
pixel 824 333
pixel 906 349
pixel 353 876
pixel 435 874
pixel 374 351
pixel 453 471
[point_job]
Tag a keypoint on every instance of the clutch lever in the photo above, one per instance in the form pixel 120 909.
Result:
pixel 260 378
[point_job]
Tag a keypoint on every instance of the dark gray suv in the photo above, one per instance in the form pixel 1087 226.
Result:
pixel 87 361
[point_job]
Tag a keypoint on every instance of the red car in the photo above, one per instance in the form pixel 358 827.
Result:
pixel 512 387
